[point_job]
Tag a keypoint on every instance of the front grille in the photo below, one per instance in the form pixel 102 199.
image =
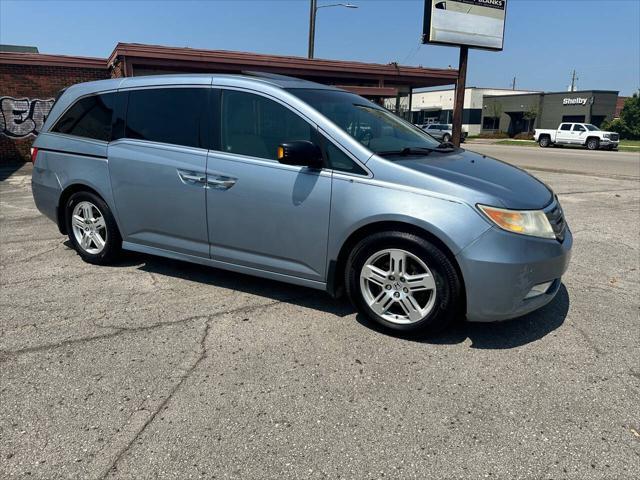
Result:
pixel 556 219
pixel 615 137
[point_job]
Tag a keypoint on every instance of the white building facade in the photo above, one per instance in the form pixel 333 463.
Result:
pixel 436 106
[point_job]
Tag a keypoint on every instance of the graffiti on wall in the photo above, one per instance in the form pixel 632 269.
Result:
pixel 21 117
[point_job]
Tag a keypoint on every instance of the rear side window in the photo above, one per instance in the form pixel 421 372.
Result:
pixel 565 126
pixel 168 115
pixel 89 117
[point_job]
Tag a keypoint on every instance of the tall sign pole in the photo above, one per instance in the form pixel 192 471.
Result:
pixel 458 106
pixel 464 24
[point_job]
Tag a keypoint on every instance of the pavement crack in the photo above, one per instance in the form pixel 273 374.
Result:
pixel 202 354
pixel 119 330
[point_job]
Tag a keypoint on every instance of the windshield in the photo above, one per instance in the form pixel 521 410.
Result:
pixel 374 127
pixel 591 128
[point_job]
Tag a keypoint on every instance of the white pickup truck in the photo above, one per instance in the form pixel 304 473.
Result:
pixel 583 134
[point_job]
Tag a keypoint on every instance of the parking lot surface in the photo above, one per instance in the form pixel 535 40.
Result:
pixel 154 368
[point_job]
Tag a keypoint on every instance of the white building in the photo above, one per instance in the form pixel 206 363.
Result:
pixel 436 106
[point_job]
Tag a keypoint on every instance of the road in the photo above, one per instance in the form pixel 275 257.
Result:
pixel 568 160
pixel 154 368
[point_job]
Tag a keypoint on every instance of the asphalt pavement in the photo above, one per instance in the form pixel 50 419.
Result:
pixel 154 368
pixel 601 163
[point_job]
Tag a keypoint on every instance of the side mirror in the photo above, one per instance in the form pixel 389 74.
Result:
pixel 302 153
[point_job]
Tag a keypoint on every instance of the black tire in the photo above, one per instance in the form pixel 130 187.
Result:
pixel 446 138
pixel 448 285
pixel 113 240
pixel 593 144
pixel 544 141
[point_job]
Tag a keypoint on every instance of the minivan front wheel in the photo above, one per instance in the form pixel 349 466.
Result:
pixel 92 229
pixel 403 282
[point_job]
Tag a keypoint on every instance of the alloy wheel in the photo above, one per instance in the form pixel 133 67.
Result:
pixel 89 227
pixel 398 286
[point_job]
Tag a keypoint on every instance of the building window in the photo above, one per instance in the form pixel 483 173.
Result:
pixel 573 118
pixel 491 123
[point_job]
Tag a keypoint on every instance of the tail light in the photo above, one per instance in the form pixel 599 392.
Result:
pixel 34 154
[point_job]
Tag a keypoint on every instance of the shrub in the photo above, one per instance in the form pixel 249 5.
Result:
pixel 628 125
pixel 493 135
pixel 524 136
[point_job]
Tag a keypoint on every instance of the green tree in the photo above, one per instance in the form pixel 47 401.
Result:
pixel 530 115
pixel 628 125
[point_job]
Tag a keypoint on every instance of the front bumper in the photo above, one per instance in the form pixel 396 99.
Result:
pixel 501 268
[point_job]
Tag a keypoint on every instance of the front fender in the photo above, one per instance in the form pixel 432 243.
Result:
pixel 358 203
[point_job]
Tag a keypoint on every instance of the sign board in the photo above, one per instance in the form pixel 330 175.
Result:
pixel 575 101
pixel 472 23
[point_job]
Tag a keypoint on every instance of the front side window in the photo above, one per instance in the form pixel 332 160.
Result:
pixel 89 117
pixel 168 115
pixel 578 128
pixel 254 125
pixel 373 126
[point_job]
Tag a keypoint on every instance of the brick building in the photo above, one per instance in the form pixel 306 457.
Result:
pixel 29 81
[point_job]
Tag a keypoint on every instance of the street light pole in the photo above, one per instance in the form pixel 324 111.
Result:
pixel 312 26
pixel 313 10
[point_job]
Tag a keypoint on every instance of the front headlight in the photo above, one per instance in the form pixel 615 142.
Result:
pixel 524 222
pixel 607 135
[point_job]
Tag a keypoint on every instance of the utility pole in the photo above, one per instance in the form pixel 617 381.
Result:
pixel 459 100
pixel 513 84
pixel 574 78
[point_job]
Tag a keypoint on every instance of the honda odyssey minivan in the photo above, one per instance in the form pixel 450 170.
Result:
pixel 303 183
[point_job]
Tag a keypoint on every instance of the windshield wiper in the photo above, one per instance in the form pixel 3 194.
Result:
pixel 406 151
pixel 446 146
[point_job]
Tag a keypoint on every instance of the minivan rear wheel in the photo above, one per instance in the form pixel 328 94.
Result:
pixel 403 283
pixel 92 229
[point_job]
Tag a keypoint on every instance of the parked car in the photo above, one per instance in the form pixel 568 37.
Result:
pixel 302 183
pixel 442 131
pixel 583 134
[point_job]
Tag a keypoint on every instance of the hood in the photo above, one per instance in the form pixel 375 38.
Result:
pixel 512 187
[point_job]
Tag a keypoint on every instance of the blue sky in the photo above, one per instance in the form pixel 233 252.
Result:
pixel 545 39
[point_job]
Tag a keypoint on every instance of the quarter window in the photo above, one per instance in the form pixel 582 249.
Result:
pixel 89 117
pixel 338 160
pixel 254 125
pixel 168 115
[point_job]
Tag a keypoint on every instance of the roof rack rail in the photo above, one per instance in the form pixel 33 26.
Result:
pixel 273 76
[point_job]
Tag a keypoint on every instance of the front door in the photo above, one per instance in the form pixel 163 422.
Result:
pixel 579 134
pixel 263 214
pixel 158 171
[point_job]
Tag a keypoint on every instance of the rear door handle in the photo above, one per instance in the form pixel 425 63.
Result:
pixel 192 178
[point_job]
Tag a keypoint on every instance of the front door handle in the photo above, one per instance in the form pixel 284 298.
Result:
pixel 220 182
pixel 192 178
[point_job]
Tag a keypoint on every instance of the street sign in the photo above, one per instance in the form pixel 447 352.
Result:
pixel 470 23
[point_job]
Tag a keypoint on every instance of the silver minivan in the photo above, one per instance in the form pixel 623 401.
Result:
pixel 303 183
